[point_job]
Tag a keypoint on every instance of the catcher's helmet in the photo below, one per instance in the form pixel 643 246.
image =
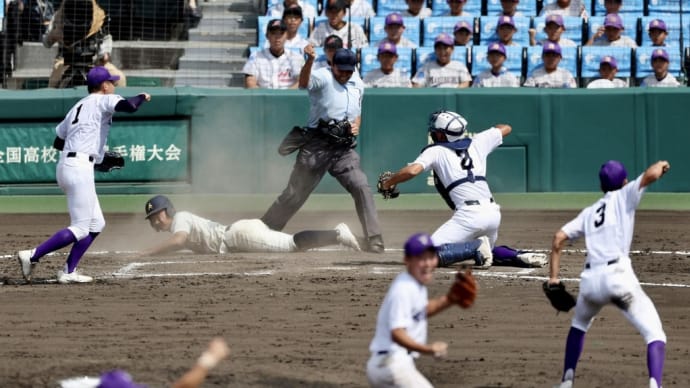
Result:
pixel 445 122
pixel 158 203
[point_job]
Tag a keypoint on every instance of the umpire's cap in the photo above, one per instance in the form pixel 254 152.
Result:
pixel 419 243
pixel 158 203
pixel 612 175
pixel 345 60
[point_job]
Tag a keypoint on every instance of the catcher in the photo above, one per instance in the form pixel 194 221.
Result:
pixel 401 326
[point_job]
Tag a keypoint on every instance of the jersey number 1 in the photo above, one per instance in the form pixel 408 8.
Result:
pixel 601 210
pixel 76 117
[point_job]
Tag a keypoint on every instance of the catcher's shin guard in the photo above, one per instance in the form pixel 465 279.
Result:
pixel 455 252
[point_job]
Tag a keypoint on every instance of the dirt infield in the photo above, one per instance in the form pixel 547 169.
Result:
pixel 306 319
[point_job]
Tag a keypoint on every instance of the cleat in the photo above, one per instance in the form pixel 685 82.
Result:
pixel 375 244
pixel 73 277
pixel 533 259
pixel 24 258
pixel 346 237
pixel 485 258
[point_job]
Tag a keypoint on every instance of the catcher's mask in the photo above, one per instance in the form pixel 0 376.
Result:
pixel 445 122
pixel 158 203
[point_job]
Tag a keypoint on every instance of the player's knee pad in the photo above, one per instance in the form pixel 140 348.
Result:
pixel 456 252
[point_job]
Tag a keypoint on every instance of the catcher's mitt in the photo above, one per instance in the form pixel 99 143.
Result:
pixel 464 289
pixel 560 299
pixel 391 192
pixel 111 161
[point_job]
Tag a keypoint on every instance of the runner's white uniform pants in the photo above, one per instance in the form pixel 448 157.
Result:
pixel 395 370
pixel 254 236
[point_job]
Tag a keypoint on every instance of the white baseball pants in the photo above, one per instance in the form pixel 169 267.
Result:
pixel 75 177
pixel 254 236
pixel 395 370
pixel 470 222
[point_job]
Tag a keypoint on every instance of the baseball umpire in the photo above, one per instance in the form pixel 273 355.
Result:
pixel 81 137
pixel 251 235
pixel 327 145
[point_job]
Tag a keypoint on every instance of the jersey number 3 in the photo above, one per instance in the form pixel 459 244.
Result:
pixel 601 211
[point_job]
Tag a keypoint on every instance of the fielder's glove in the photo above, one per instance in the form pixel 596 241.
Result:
pixel 560 299
pixel 464 289
pixel 111 161
pixel 391 192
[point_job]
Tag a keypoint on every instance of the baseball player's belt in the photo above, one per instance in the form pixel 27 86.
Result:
pixel 73 154
pixel 614 261
pixel 476 202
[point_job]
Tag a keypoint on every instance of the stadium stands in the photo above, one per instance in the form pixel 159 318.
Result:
pixel 528 8
pixel 435 25
pixel 376 29
pixel 424 54
pixel 629 9
pixel 569 59
pixel 369 61
pixel 487 30
pixel 440 7
pixel 591 56
pixel 643 62
pixel 630 25
pixel 261 29
pixel 574 28
pixel 514 60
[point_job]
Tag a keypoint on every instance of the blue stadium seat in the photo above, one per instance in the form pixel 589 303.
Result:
pixel 384 7
pixel 514 60
pixel 427 53
pixel 262 21
pixel 487 30
pixel 314 3
pixel 435 25
pixel 591 56
pixel 573 28
pixel 629 23
pixel 369 61
pixel 643 62
pixel 666 8
pixel 440 7
pixel 673 27
pixel 377 32
pixel 527 7
pixel 568 61
pixel 630 8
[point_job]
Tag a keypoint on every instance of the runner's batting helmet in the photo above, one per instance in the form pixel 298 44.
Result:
pixel 447 123
pixel 158 203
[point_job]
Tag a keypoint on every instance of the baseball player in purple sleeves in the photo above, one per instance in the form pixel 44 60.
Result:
pixel 83 134
pixel 608 276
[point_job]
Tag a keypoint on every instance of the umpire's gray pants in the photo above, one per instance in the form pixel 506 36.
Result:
pixel 313 160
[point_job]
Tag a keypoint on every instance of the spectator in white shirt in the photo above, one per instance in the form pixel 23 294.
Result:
pixel 387 75
pixel 292 16
pixel 417 8
pixel 442 71
pixel 611 34
pixel 657 32
pixel 565 8
pixel 509 8
pixel 463 33
pixel 395 27
pixel 661 77
pixel 273 67
pixel 505 29
pixel 456 8
pixel 498 76
pixel 337 24
pixel 608 68
pixel 276 11
pixel 554 28
pixel 360 8
pixel 550 75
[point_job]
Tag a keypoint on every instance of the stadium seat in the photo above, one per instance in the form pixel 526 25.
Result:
pixel 643 62
pixel 487 30
pixel 590 57
pixel 630 8
pixel 384 7
pixel 434 25
pixel 369 61
pixel 568 61
pixel 377 32
pixel 440 7
pixel 573 28
pixel 527 7
pixel 667 8
pixel 673 27
pixel 262 21
pixel 630 24
pixel 314 3
pixel 514 60
pixel 422 54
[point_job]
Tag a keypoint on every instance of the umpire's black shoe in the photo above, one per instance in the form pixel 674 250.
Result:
pixel 375 244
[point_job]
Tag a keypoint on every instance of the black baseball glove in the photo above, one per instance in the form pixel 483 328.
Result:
pixel 391 192
pixel 111 161
pixel 560 299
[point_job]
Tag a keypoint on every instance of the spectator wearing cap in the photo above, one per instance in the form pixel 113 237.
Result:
pixel 498 76
pixel 277 10
pixel 360 8
pixel 565 8
pixel 657 32
pixel 613 6
pixel 417 9
pixel 330 46
pixel 505 29
pixel 509 8
pixel 611 34
pixel 455 8
pixel 554 29
pixel 608 67
pixel 550 75
pixel 661 77
pixel 395 27
pixel 273 67
pixel 387 75
pixel 463 33
pixel 293 19
pixel 440 70
pixel 337 25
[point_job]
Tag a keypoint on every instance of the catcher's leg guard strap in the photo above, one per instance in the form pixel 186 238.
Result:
pixel 455 252
pixel 309 239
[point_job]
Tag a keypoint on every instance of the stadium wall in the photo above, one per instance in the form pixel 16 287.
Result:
pixel 225 141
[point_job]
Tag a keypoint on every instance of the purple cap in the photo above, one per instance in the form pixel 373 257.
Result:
pixel 345 60
pixel 98 75
pixel 612 175
pixel 657 24
pixel 395 19
pixel 418 244
pixel 496 47
pixel 388 47
pixel 551 47
pixel 552 18
pixel 117 379
pixel 276 24
pixel 614 20
pixel 462 25
pixel 609 60
pixel 444 39
pixel 505 20
pixel 660 53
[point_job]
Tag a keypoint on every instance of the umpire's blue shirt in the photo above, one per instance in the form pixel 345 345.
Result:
pixel 331 100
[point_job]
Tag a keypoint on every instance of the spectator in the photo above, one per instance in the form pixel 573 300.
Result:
pixel 565 8
pixel 292 16
pixel 550 75
pixel 463 33
pixel 613 6
pixel 395 27
pixel 336 24
pixel 456 8
pixel 441 71
pixel 387 76
pixel 498 75
pixel 331 45
pixel 657 32
pixel 554 28
pixel 607 71
pixel 417 8
pixel 360 8
pixel 276 11
pixel 611 34
pixel 273 67
pixel 509 8
pixel 661 77
pixel 505 29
